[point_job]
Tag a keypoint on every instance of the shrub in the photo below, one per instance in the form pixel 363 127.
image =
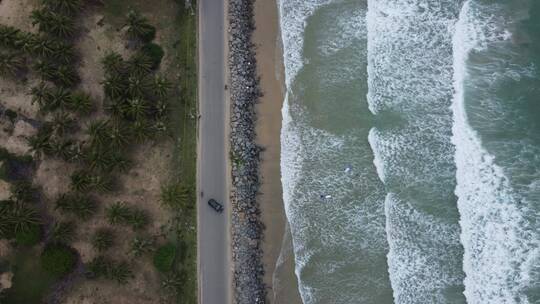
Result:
pixel 154 52
pixel 79 205
pixel 30 236
pixel 102 239
pixel 58 260
pixel 164 257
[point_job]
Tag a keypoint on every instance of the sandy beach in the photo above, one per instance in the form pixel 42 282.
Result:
pixel 277 247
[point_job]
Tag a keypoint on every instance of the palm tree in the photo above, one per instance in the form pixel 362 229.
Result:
pixel 41 94
pixel 21 217
pixel 84 181
pixel 175 196
pixel 114 86
pixel 61 148
pixel 36 45
pixel 102 239
pixel 98 131
pixel 56 24
pixel 120 272
pixel 66 6
pixel 141 245
pixel 138 86
pixel 63 52
pixel 115 108
pixel 81 206
pixel 141 130
pixel 118 213
pixel 119 135
pixel 62 232
pixel 40 144
pixel 162 109
pixel 113 63
pixel 161 87
pixel 99 157
pixel 11 64
pixel 62 123
pixel 58 98
pixel 140 64
pixel 46 69
pixel 138 27
pixel 172 282
pixel 81 103
pixel 138 219
pixel 66 76
pixel 8 36
pixel 136 108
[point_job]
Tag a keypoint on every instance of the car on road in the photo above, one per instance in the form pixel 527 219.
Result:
pixel 215 205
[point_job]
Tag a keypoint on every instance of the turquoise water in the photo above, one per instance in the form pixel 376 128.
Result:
pixel 410 149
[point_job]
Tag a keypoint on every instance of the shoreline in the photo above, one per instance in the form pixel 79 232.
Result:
pixel 278 256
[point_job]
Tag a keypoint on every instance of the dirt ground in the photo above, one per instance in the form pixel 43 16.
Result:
pixel 140 186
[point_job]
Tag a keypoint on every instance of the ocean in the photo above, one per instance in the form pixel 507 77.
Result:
pixel 411 149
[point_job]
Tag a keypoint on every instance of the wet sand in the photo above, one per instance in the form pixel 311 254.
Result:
pixel 278 256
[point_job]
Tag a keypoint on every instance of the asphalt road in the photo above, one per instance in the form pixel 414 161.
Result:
pixel 213 228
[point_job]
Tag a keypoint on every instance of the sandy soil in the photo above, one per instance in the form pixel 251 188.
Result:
pixel 278 257
pixel 140 186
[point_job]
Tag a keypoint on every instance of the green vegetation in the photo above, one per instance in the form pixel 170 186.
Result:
pixel 139 28
pixel 58 260
pixel 83 207
pixel 16 217
pixel 63 232
pixel 102 239
pixel 141 245
pixel 164 257
pixel 29 237
pixel 121 214
pixel 117 271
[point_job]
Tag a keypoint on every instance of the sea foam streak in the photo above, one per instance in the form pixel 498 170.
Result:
pixel 410 91
pixel 500 243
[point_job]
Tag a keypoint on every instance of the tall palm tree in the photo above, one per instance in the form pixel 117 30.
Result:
pixel 118 213
pixel 119 135
pixel 41 94
pixel 65 6
pixel 81 103
pixel 40 144
pixel 138 27
pixel 141 245
pixel 62 232
pixel 114 86
pixel 53 23
pixel 98 131
pixel 141 130
pixel 84 181
pixel 138 87
pixel 63 52
pixel 140 64
pixel 79 205
pixel 62 123
pixel 161 87
pixel 36 45
pixel 66 75
pixel 99 157
pixel 11 64
pixel 21 217
pixel 61 148
pixel 102 239
pixel 58 98
pixel 136 108
pixel 113 63
pixel 8 36
pixel 46 69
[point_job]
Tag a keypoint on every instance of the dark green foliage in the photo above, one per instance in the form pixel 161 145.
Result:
pixel 172 282
pixel 64 6
pixel 141 130
pixel 61 148
pixel 58 260
pixel 113 64
pixel 154 52
pixel 141 245
pixel 84 181
pixel 11 64
pixel 53 23
pixel 79 205
pixel 45 68
pixel 102 239
pixel 176 196
pixel 138 86
pixel 66 76
pixel 121 214
pixel 136 108
pixel 114 86
pixel 63 123
pixel 40 144
pixel 103 267
pixel 164 257
pixel 29 237
pixel 9 36
pixel 161 87
pixel 16 217
pixel 81 103
pixel 139 28
pixel 62 232
pixel 140 64
pixel 23 191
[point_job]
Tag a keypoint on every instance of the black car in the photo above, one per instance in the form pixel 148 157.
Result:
pixel 215 205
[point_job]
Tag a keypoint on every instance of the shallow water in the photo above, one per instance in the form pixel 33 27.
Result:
pixel 410 147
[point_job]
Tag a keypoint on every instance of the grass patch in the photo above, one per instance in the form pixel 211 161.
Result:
pixel 177 34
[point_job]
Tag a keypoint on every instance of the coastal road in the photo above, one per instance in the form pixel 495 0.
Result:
pixel 214 266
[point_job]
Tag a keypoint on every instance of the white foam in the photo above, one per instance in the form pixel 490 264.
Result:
pixel 499 242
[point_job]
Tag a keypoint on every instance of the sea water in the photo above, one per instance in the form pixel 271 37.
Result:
pixel 411 149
